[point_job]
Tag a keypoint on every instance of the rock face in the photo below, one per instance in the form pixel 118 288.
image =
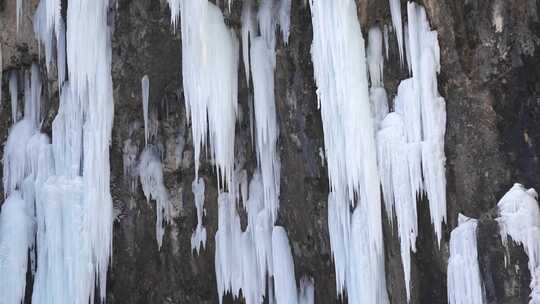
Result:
pixel 490 78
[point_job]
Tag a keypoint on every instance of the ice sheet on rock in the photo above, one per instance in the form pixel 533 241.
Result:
pixel 15 166
pixel 14 94
pixel 306 294
pixel 395 11
pixel 145 85
pixel 519 218
pixel 284 279
pixel 375 56
pixel 198 239
pixel 151 175
pixel 464 281
pixel 15 240
pixel 130 152
pixel 340 70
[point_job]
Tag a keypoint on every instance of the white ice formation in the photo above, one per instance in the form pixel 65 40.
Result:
pixel 464 281
pixel 519 218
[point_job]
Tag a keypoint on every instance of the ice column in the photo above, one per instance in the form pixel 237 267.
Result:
pixel 341 75
pixel 464 282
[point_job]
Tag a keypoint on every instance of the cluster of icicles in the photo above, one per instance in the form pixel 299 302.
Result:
pixel 58 207
pixel 58 204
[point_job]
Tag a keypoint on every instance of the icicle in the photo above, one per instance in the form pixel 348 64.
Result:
pixel 341 75
pixel 13 92
pixel 464 282
pixel 18 13
pixel 379 105
pixel 32 96
pixel 145 84
pixel 209 69
pixel 395 11
pixel 174 6
pixel 306 294
pixel 424 48
pixel 198 239
pixel 407 48
pixel 285 19
pixel 519 218
pixel 375 56
pixel 151 174
pixel 267 25
pixel 284 280
pixel 398 191
pixel 248 33
pixel 15 240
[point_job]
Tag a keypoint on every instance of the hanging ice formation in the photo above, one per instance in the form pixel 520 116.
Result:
pixel 395 11
pixel 151 174
pixel 464 282
pixel 519 218
pixel 411 141
pixel 341 75
pixel 377 93
pixel 209 72
pixel 67 181
pixel 145 86
pixel 198 239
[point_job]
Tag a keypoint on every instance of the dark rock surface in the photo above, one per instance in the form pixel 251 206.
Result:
pixel 490 78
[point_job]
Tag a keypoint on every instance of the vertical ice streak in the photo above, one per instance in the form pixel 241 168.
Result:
pixel 15 240
pixel 13 92
pixel 519 218
pixel 464 282
pixel 338 56
pixel 375 56
pixel 198 239
pixel 18 13
pixel 395 11
pixel 145 85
